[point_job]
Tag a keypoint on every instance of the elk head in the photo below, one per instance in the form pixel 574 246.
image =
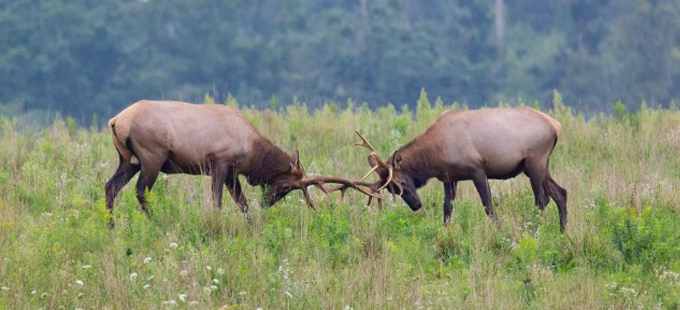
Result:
pixel 392 177
pixel 296 178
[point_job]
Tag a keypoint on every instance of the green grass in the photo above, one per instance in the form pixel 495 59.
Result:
pixel 621 249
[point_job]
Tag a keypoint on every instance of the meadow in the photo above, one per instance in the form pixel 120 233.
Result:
pixel 621 249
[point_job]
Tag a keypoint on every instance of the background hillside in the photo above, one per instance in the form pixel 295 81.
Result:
pixel 81 57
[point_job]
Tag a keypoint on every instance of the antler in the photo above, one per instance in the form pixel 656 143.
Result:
pixel 319 181
pixel 381 163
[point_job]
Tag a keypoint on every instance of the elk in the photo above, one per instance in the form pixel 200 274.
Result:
pixel 208 139
pixel 473 145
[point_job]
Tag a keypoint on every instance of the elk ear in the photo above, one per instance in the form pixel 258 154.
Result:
pixel 295 161
pixel 371 161
pixel 396 160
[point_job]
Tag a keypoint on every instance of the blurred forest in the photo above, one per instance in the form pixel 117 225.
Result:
pixel 81 57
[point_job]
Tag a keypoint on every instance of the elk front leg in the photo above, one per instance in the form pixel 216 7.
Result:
pixel 219 177
pixel 449 195
pixel 147 178
pixel 234 187
pixel 482 186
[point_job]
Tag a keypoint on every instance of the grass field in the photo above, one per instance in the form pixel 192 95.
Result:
pixel 621 249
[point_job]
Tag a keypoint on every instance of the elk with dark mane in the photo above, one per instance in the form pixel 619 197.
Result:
pixel 473 145
pixel 211 139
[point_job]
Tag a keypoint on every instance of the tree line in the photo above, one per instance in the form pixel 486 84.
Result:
pixel 81 57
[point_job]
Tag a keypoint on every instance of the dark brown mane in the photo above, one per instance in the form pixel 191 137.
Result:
pixel 269 162
pixel 420 159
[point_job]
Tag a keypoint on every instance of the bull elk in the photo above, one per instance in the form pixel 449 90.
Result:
pixel 473 145
pixel 210 139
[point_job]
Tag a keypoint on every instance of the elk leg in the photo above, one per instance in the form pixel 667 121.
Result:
pixel 219 177
pixel 482 186
pixel 559 194
pixel 122 176
pixel 147 177
pixel 449 194
pixel 536 174
pixel 234 187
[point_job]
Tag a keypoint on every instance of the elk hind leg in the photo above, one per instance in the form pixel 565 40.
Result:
pixel 120 178
pixel 559 195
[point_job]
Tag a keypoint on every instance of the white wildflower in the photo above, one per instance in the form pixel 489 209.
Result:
pixel 220 271
pixel 208 267
pixel 147 260
pixel 87 267
pixel 173 245
pixel 242 293
pixel 213 287
pixel 193 303
pixel 149 278
pixel 4 288
pixel 216 281
pixel 46 214
pixel 133 276
pixel 288 294
pixel 146 287
pixel 80 282
pixel 34 292
pixel 170 302
pixel 182 297
pixel 43 295
pixel 207 289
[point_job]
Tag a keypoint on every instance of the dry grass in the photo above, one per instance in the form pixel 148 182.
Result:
pixel 620 251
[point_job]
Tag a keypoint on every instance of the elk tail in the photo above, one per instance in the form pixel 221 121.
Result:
pixel 123 144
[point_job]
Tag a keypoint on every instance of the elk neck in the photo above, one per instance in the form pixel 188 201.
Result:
pixel 420 160
pixel 267 162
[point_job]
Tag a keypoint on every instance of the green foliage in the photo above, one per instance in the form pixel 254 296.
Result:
pixel 621 114
pixel 620 111
pixel 85 57
pixel 72 126
pixel 208 99
pixel 272 103
pixel 621 248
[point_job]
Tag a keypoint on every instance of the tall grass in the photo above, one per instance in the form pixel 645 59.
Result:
pixel 621 249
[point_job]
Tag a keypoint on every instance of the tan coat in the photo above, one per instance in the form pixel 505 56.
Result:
pixel 477 145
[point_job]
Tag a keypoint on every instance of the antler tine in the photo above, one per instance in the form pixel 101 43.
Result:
pixel 381 163
pixel 369 173
pixel 390 172
pixel 374 152
pixel 318 181
pixel 323 189
pixel 308 199
pixel 401 189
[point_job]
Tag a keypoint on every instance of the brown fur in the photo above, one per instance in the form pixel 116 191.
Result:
pixel 212 139
pixel 479 145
